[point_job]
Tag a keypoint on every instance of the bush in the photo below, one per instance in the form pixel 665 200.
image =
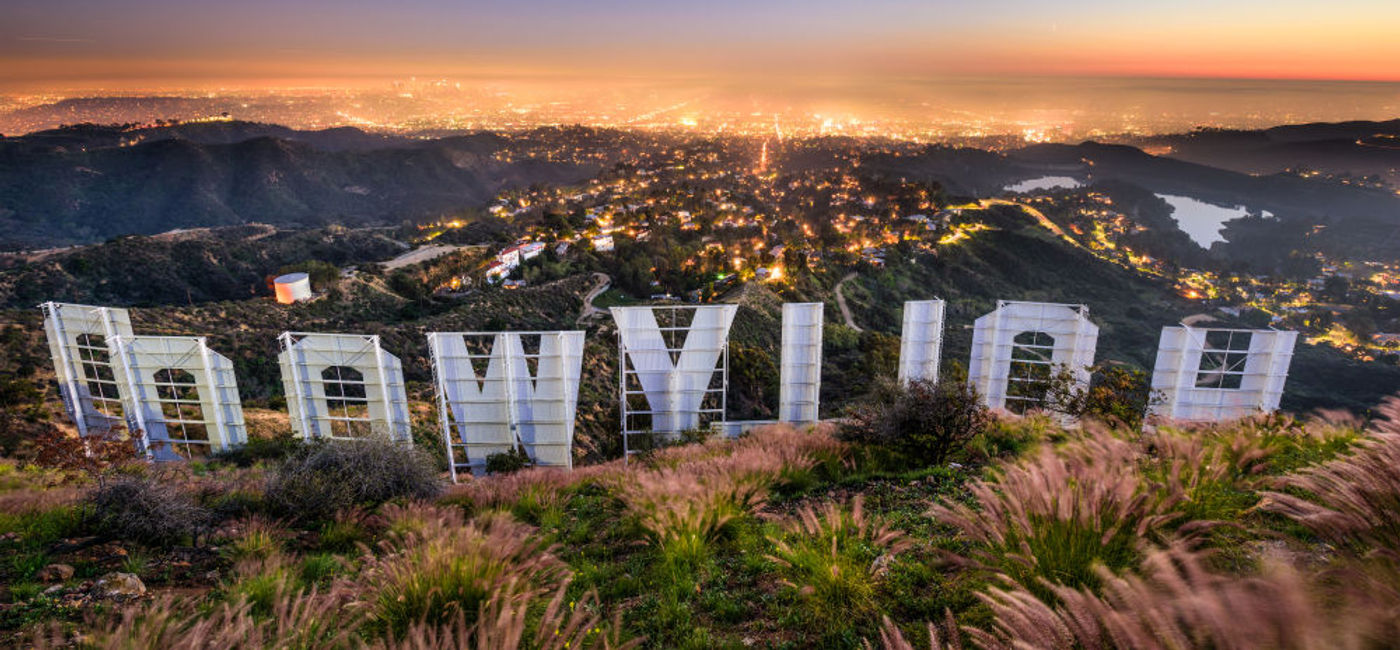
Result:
pixel 326 477
pixel 507 462
pixel 260 449
pixel 925 423
pixel 1116 395
pixel 147 509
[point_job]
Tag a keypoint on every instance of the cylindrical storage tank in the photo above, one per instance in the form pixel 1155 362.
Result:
pixel 292 287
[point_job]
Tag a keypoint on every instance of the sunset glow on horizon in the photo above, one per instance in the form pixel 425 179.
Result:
pixel 166 43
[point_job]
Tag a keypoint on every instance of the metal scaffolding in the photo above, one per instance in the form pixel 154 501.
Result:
pixel 1213 374
pixel 494 394
pixel 181 396
pixel 674 377
pixel 82 342
pixel 1017 348
pixel 343 386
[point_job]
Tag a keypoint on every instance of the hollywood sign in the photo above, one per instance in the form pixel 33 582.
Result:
pixel 498 391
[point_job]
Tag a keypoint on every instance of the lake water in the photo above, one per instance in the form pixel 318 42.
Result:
pixel 1044 183
pixel 1201 220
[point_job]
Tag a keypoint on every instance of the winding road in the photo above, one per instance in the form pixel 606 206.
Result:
pixel 841 302
pixel 601 284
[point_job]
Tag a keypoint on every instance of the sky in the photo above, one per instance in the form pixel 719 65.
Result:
pixel 68 43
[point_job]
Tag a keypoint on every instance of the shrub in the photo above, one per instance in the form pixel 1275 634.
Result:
pixel 834 559
pixel 147 509
pixel 318 568
pixel 346 530
pixel 257 450
pixel 925 423
pixel 443 567
pixel 326 477
pixel 1116 395
pixel 507 462
pixel 1059 514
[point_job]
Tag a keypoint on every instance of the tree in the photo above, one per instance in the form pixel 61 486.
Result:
pixel 924 422
pixel 1116 394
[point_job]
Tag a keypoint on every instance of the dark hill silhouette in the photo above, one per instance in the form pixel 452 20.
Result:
pixel 77 186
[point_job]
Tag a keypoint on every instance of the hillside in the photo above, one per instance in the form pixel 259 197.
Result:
pixel 183 268
pixel 1350 149
pixel 1308 215
pixel 53 194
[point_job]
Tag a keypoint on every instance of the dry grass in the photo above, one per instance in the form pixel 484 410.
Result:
pixel 436 566
pixel 303 620
pixel 689 496
pixel 504 624
pixel 836 557
pixel 1176 603
pixel 1063 511
pixel 1355 499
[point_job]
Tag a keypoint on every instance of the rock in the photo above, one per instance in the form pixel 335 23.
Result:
pixel 117 584
pixel 880 566
pixel 53 590
pixel 55 573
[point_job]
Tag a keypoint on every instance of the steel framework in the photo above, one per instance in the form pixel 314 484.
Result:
pixel 490 400
pixel 181 396
pixel 82 343
pixel 680 371
pixel 1017 347
pixel 343 386
pixel 1207 374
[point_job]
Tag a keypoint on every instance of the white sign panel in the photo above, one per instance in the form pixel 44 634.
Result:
pixel 82 343
pixel 921 341
pixel 673 366
pixel 1207 374
pixel 1017 348
pixel 496 393
pixel 343 386
pixel 800 373
pixel 183 396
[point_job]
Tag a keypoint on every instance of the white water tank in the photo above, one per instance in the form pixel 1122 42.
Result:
pixel 292 287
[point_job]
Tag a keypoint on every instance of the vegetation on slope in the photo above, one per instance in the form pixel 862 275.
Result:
pixel 1264 533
